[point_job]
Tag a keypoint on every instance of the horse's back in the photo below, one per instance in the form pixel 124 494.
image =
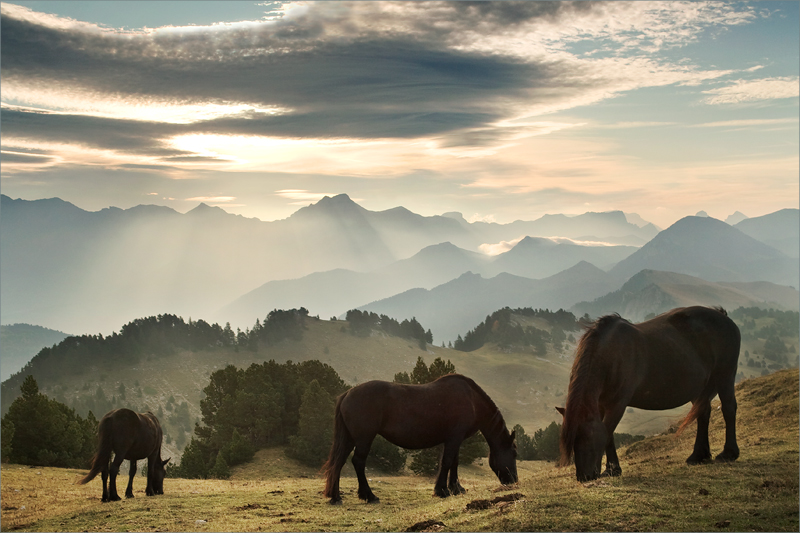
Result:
pixel 411 416
pixel 709 331
pixel 133 434
pixel 684 349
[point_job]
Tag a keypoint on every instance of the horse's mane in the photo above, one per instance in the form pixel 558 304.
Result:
pixel 482 393
pixel 578 403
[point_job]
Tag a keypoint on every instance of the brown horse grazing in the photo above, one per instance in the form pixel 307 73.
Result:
pixel 687 354
pixel 130 436
pixel 447 410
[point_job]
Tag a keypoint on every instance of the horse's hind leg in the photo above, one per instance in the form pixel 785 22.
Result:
pixel 131 475
pixel 113 471
pixel 702 448
pixel 335 475
pixel 727 396
pixel 360 463
pixel 104 476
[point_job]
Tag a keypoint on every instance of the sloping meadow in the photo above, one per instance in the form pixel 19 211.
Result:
pixel 656 492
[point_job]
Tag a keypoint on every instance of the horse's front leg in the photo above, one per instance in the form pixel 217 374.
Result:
pixel 611 419
pixel 448 459
pixel 454 485
pixel 360 463
pixel 149 489
pixel 131 475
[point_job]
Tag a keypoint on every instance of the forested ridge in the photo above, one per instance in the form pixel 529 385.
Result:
pixel 243 408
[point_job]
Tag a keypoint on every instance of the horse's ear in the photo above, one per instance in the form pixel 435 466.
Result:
pixel 513 434
pixel 561 410
pixel 164 463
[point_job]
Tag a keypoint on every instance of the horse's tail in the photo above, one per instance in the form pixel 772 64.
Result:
pixel 340 449
pixel 103 455
pixel 702 404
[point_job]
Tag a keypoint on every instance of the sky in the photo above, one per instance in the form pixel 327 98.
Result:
pixel 498 110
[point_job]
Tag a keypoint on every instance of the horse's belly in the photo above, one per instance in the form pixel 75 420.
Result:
pixel 660 397
pixel 418 434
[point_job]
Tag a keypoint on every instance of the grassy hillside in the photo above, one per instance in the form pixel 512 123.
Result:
pixel 656 492
pixel 525 386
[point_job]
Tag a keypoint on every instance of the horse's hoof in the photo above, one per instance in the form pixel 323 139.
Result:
pixel 129 495
pixel 693 460
pixel 337 501
pixel 441 493
pixel 374 499
pixel 114 499
pixel 726 457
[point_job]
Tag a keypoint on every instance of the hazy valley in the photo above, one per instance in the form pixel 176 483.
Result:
pixel 85 272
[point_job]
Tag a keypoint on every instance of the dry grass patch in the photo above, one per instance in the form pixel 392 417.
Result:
pixel 657 491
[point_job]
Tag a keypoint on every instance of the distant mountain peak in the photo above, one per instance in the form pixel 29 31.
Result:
pixel 339 199
pixel 341 203
pixel 454 215
pixel 535 241
pixel 735 218
pixel 204 209
pixel 702 214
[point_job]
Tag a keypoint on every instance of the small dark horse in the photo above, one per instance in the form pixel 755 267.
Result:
pixel 687 354
pixel 130 436
pixel 447 410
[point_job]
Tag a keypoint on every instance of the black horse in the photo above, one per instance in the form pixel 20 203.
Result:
pixel 447 410
pixel 687 354
pixel 130 436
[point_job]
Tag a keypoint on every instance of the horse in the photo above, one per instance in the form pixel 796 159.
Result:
pixel 686 354
pixel 447 410
pixel 130 436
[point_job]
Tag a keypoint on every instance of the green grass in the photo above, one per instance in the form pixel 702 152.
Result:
pixel 656 492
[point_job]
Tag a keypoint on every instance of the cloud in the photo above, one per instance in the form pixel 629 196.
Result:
pixel 302 195
pixel 212 199
pixel 457 71
pixel 504 246
pixel 747 123
pixel 500 247
pixel 753 90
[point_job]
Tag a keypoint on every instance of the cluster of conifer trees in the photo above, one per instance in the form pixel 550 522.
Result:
pixel 499 328
pixel 270 404
pixel 40 431
pixel 362 323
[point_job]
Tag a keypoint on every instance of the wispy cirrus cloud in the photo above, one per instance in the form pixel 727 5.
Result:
pixel 748 123
pixel 754 90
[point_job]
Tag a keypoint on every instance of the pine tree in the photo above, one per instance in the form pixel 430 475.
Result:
pixel 315 433
pixel 221 470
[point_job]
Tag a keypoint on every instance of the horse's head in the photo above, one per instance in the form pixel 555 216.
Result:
pixel 159 472
pixel 590 444
pixel 503 458
pixel 587 443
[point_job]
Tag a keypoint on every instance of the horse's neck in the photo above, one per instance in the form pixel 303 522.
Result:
pixel 492 429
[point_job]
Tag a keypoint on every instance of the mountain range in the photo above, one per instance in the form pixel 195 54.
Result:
pixel 652 292
pixel 74 270
pixel 708 248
